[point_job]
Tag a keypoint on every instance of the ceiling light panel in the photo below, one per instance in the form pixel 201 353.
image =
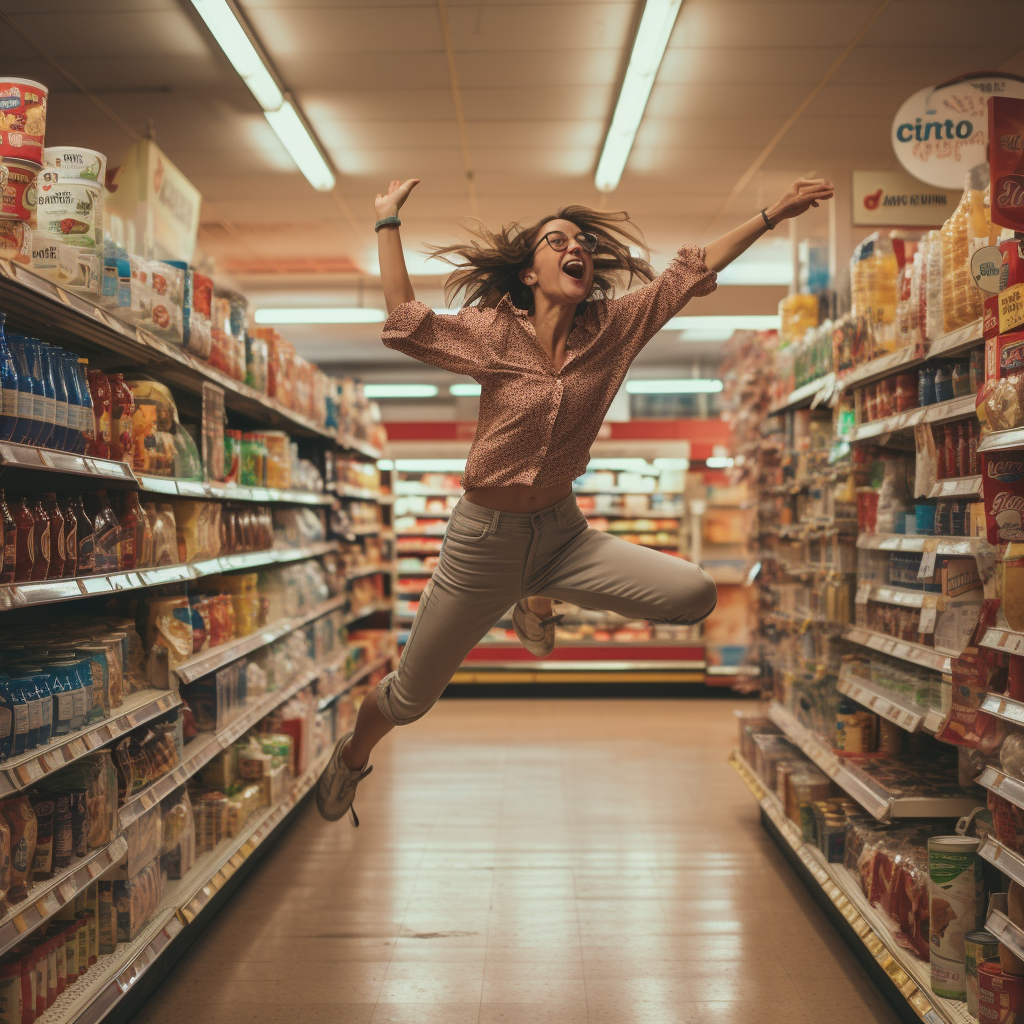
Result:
pixel 343 315
pixel 686 386
pixel 652 37
pixel 400 390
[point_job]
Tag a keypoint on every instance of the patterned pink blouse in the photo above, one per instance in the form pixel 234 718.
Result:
pixel 536 426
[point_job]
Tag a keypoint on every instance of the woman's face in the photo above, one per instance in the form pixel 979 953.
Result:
pixel 565 277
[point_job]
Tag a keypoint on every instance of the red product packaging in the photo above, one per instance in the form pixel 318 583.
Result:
pixel 1011 270
pixel 1004 355
pixel 1000 996
pixel 1006 160
pixel 974 429
pixel 949 449
pixel 1002 475
pixel 990 318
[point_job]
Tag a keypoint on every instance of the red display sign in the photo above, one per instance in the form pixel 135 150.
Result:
pixel 1006 160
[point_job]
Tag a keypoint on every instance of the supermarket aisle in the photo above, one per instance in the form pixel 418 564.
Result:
pixel 531 862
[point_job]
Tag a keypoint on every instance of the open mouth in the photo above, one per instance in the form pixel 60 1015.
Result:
pixel 574 268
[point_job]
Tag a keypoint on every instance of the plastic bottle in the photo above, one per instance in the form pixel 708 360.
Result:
pixel 40 540
pixel 50 357
pixel 42 371
pixel 25 540
pixel 99 388
pixel 31 399
pixel 61 686
pixel 85 563
pixel 57 539
pixel 8 388
pixel 9 542
pixel 106 532
pixel 69 374
pixel 19 707
pixel 70 538
pixel 122 408
pixel 88 423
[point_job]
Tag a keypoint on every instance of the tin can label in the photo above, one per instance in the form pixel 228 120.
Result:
pixel 954 893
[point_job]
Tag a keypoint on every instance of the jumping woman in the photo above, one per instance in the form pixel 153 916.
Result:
pixel 549 347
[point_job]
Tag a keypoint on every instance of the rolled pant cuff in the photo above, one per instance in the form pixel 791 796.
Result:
pixel 384 702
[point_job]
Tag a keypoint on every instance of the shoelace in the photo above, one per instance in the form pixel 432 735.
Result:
pixel 352 810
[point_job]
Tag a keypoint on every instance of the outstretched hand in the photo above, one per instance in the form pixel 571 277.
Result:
pixel 800 197
pixel 398 191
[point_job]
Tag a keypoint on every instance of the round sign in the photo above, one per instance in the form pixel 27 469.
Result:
pixel 985 268
pixel 940 134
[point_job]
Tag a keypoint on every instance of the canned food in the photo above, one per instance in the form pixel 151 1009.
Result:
pixel 76 163
pixel 1000 996
pixel 22 119
pixel 18 192
pixel 70 209
pixel 955 886
pixel 979 948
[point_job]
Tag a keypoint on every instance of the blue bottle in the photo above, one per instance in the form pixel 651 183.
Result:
pixel 19 708
pixel 42 370
pixel 24 690
pixel 88 423
pixel 27 428
pixel 69 370
pixel 52 361
pixel 8 394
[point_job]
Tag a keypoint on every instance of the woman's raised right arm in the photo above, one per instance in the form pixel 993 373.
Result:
pixel 394 277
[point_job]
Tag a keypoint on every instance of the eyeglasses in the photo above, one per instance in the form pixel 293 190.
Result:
pixel 559 241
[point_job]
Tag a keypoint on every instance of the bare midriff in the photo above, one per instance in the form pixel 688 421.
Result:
pixel 518 498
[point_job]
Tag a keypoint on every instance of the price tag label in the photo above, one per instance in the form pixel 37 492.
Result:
pixel 93 868
pixel 927 622
pixel 927 567
pixel 68 890
pixel 5 270
pixel 19 922
pixel 63 296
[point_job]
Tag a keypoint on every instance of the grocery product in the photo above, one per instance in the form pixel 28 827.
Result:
pixel 22 119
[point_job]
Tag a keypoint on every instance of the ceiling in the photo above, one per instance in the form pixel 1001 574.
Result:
pixel 537 83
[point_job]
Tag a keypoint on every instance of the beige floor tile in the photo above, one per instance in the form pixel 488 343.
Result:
pixel 555 862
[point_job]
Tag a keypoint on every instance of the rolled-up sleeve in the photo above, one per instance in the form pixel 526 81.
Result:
pixel 638 316
pixel 449 342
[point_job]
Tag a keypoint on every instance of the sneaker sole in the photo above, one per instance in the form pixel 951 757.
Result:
pixel 531 645
pixel 320 798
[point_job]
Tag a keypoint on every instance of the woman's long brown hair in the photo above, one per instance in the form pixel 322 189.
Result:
pixel 487 267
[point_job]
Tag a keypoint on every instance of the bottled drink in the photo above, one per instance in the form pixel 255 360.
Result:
pixel 106 532
pixel 42 371
pixel 136 547
pixel 99 388
pixel 122 408
pixel 31 400
pixel 25 550
pixel 86 561
pixel 70 537
pixel 69 371
pixel 40 540
pixel 87 423
pixel 9 538
pixel 53 358
pixel 8 388
pixel 57 538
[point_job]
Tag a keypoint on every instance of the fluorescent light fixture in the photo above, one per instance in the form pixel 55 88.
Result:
pixel 671 463
pixel 623 465
pixel 736 322
pixel 754 272
pixel 300 145
pixel 687 386
pixel 342 315
pixel 718 462
pixel 464 390
pixel 385 464
pixel 430 465
pixel 652 36
pixel 445 312
pixel 714 334
pixel 400 390
pixel 238 49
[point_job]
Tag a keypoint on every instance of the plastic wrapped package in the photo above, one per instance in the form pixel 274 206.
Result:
pixel 874 270
pixel 931 284
pixel 298 526
pixel 136 900
pixel 241 806
pixel 168 628
pixel 147 754
pixel 167 287
pixel 154 422
pixel 1007 821
pixel 197 321
pixel 210 811
pixel 893 496
pixel 966 230
pixel 145 840
pixel 165 533
pixel 178 849
pixel 21 823
pixel 1011 754
pixel 100 778
pixel 187 463
pixel 198 529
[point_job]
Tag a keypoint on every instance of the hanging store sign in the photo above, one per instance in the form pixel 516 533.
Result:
pixel 158 205
pixel 898 199
pixel 940 134
pixel 1006 160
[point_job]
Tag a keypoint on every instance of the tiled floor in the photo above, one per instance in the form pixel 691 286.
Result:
pixel 530 862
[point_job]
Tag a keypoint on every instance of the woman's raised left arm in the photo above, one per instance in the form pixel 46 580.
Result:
pixel 799 198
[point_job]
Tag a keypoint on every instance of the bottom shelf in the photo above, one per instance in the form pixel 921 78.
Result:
pixel 909 976
pixel 90 999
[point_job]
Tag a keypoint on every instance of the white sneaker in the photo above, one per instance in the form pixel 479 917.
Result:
pixel 537 635
pixel 336 788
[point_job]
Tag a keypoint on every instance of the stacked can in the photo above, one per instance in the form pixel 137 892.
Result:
pixel 22 128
